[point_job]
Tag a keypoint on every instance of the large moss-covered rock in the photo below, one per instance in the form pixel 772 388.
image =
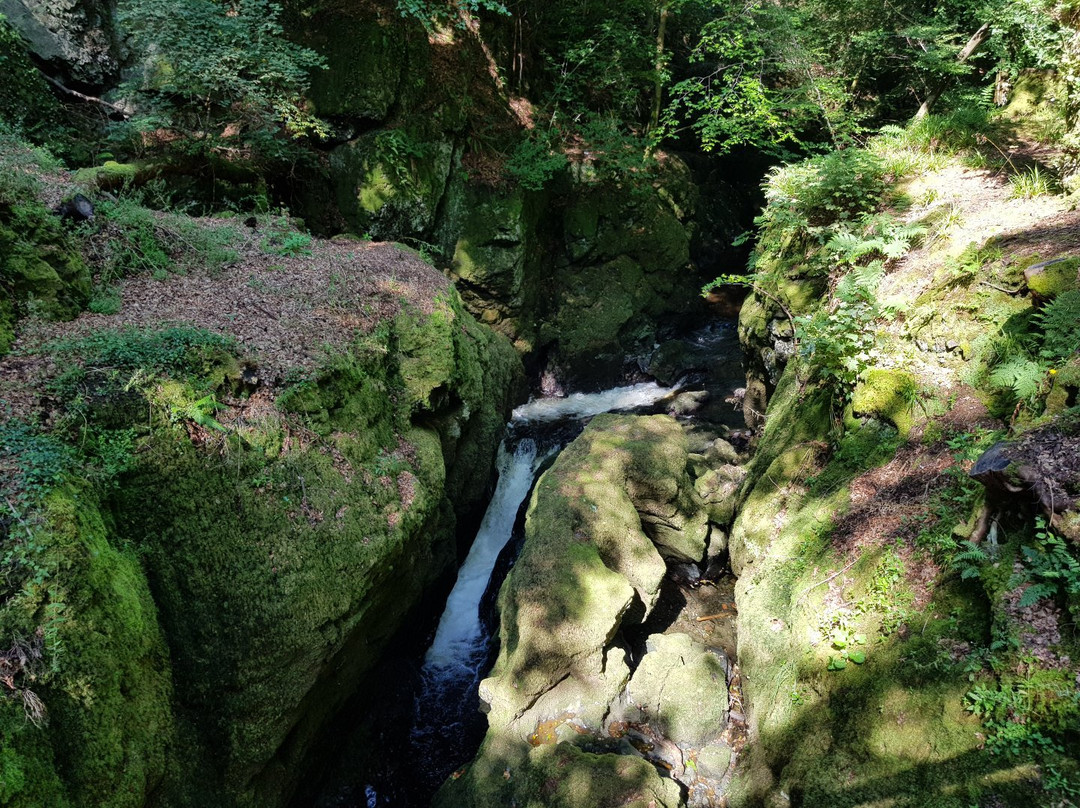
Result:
pixel 509 772
pixel 889 395
pixel 682 689
pixel 282 552
pixel 591 566
pixel 39 268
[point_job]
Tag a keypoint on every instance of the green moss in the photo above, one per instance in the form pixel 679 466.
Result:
pixel 1050 280
pixel 889 395
pixel 39 265
pixel 107 688
pixel 1032 90
pixel 390 183
pixel 111 175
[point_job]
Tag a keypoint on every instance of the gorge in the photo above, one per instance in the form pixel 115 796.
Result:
pixel 376 295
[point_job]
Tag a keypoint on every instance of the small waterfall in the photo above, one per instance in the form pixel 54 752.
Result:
pixel 459 642
pixel 586 405
pixel 445 726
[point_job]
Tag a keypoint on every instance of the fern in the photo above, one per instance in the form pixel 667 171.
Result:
pixel 860 284
pixel 1036 592
pixel 201 412
pixel 970 560
pixel 1060 321
pixel 1049 567
pixel 1023 377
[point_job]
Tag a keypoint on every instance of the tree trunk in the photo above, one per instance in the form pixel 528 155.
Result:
pixel 658 87
pixel 973 44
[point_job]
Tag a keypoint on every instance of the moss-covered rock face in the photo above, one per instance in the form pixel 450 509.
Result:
pixel 389 184
pixel 1049 279
pixel 107 688
pixel 624 268
pixel 25 99
pixel 40 268
pixel 275 547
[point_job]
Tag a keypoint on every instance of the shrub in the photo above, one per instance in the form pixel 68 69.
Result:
pixel 823 190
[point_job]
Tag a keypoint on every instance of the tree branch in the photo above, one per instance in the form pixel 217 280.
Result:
pixel 973 44
pixel 84 97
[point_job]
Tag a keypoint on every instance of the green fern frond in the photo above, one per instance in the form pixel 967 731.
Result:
pixel 1060 321
pixel 1019 374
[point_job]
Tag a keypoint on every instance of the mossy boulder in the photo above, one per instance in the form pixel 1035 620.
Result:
pixel 587 538
pixel 510 772
pixel 112 176
pixel 681 689
pixel 889 395
pixel 40 268
pixel 1050 278
pixel 718 488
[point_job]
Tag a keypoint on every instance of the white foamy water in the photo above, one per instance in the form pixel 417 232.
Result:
pixel 458 637
pixel 584 405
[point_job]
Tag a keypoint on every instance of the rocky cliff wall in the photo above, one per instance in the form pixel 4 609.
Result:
pixel 193 613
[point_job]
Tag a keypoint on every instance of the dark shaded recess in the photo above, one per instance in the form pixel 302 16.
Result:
pixel 730 196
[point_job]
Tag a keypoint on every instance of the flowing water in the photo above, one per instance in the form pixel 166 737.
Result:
pixel 444 727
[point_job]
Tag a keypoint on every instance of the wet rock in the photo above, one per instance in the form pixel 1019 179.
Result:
pixel 688 403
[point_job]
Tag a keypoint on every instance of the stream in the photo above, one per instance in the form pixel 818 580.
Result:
pixel 426 721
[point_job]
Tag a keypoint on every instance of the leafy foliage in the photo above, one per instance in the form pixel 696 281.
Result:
pixel 178 348
pixel 1049 568
pixel 1060 321
pixel 1023 377
pixel 222 76
pixel 841 342
pixel 436 12
pixel 1025 713
pixel 826 189
pixel 535 161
